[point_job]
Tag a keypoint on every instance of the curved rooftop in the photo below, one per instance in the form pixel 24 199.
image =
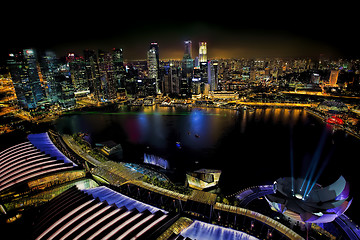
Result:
pixel 333 106
pixel 24 162
pixel 42 142
pixel 75 214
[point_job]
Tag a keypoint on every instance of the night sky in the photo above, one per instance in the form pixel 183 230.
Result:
pixel 233 29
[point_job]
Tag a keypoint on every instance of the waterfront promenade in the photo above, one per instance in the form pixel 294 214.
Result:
pixel 119 175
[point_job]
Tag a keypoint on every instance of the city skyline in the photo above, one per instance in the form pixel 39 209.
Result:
pixel 247 31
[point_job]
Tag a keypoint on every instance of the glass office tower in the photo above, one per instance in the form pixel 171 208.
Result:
pixel 25 77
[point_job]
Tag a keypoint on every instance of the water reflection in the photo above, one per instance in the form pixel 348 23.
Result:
pixel 249 146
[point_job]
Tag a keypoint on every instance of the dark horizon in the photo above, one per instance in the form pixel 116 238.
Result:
pixel 247 32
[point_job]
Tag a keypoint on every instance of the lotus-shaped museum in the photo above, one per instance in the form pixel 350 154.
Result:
pixel 309 202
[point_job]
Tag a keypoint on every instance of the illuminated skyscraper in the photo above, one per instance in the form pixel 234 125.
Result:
pixel 202 52
pixel 155 47
pixel 106 73
pixel 25 77
pixel 213 79
pixel 49 65
pixel 92 72
pixel 154 64
pixel 187 70
pixel 64 87
pixel 78 73
pixel 119 69
pixel 188 49
pixel 333 77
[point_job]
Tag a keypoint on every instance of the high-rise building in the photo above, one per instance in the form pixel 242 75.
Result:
pixel 188 49
pixel 119 69
pixel 92 72
pixel 64 87
pixel 49 65
pixel 202 52
pixel 155 47
pixel 24 73
pixel 106 74
pixel 213 79
pixel 153 68
pixel 333 77
pixel 187 70
pixel 153 63
pixel 78 74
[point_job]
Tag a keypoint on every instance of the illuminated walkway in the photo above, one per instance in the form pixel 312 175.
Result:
pixel 201 230
pixel 275 104
pixel 349 227
pixel 249 194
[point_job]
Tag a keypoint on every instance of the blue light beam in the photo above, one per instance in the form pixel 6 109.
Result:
pixel 324 164
pixel 315 161
pixel 292 159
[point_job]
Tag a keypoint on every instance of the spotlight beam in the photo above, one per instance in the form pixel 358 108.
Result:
pixel 314 162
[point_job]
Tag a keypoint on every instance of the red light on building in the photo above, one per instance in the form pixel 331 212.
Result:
pixel 335 120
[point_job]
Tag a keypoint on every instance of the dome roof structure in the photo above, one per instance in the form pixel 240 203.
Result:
pixel 333 106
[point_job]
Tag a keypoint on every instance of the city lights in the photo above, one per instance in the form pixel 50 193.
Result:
pixel 98 143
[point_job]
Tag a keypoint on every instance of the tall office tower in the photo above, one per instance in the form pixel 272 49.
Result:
pixel 106 73
pixel 202 52
pixel 64 86
pixel 188 49
pixel 333 77
pixel 188 62
pixel 25 77
pixel 154 64
pixel 213 79
pixel 153 68
pixel 187 70
pixel 78 74
pixel 119 69
pixel 92 72
pixel 155 46
pixel 49 64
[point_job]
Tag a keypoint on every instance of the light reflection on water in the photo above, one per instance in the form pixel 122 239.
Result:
pixel 250 146
pixel 206 134
pixel 195 128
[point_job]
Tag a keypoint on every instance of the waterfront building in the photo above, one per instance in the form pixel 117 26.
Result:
pixel 24 73
pixel 306 201
pixel 203 178
pixel 35 171
pixel 230 95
